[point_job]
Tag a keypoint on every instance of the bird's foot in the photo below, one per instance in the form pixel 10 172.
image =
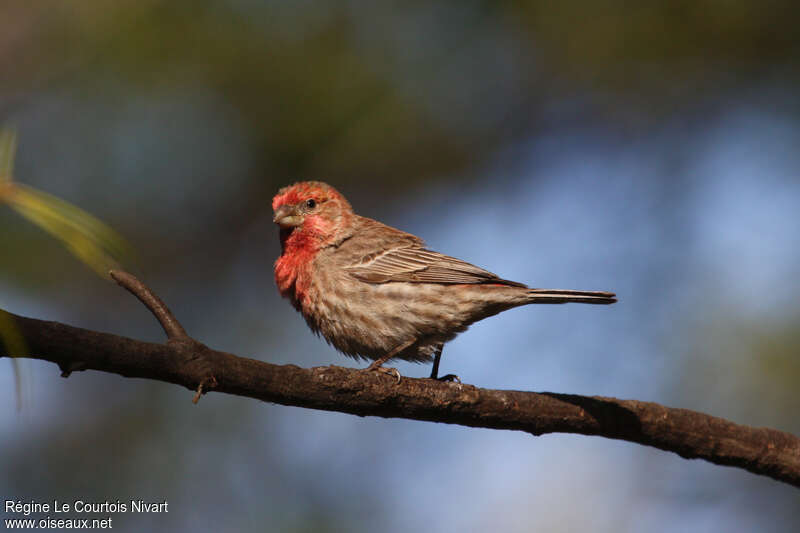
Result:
pixel 449 378
pixel 377 367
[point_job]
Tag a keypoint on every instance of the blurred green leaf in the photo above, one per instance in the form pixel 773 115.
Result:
pixel 88 238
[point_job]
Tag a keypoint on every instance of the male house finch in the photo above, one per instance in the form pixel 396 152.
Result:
pixel 376 292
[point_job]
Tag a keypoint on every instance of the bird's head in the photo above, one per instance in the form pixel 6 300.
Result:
pixel 312 211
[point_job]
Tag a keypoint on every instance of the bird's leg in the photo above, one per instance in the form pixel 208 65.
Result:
pixel 435 370
pixel 377 364
pixel 436 357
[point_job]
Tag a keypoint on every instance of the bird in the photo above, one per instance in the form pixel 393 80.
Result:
pixel 377 293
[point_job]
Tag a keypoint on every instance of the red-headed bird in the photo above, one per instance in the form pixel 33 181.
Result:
pixel 375 292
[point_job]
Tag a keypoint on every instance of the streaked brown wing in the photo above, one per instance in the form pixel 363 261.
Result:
pixel 418 265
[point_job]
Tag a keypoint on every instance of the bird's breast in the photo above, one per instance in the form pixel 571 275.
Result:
pixel 293 279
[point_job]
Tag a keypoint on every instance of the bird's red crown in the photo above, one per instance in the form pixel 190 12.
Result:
pixel 303 190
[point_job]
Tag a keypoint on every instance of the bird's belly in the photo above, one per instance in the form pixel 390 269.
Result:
pixel 369 320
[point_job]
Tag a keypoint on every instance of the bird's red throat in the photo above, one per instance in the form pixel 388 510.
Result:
pixel 292 269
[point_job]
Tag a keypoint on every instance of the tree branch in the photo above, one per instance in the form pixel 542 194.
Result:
pixel 184 361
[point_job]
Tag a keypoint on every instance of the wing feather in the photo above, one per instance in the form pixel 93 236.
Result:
pixel 420 265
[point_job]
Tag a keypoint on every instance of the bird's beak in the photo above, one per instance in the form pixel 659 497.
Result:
pixel 286 216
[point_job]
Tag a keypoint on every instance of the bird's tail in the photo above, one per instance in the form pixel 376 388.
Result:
pixel 556 296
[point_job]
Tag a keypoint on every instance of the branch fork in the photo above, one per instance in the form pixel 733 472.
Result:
pixel 177 337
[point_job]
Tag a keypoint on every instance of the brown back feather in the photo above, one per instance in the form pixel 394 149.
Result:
pixel 415 264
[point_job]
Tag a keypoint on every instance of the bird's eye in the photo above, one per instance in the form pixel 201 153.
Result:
pixel 311 203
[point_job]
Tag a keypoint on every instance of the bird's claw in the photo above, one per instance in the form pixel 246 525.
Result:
pixel 449 378
pixel 384 370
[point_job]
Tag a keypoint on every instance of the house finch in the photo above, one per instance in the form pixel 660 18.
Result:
pixel 375 292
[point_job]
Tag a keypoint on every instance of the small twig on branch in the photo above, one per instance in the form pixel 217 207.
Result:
pixel 171 326
pixel 690 434
pixel 210 382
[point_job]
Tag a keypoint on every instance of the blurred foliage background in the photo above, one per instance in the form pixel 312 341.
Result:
pixel 649 149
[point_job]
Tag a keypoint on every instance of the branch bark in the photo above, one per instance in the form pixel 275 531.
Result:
pixel 184 361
